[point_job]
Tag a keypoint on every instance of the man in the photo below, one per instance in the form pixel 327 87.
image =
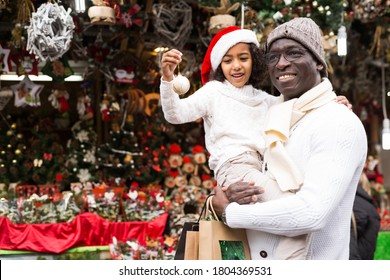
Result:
pixel 316 148
pixel 365 223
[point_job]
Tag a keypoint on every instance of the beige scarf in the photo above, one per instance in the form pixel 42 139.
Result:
pixel 280 119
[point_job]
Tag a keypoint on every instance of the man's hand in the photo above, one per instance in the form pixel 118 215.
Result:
pixel 219 200
pixel 243 192
pixel 240 192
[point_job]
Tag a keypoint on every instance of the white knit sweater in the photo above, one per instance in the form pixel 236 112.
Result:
pixel 329 145
pixel 233 117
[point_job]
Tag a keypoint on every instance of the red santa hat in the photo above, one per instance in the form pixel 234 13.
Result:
pixel 220 44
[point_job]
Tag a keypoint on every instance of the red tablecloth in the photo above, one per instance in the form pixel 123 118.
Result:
pixel 86 229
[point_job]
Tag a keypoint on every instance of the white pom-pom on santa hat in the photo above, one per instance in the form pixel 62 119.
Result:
pixel 220 44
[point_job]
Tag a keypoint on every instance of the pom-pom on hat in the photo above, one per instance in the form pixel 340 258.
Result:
pixel 197 149
pixel 220 44
pixel 174 149
pixel 187 159
pixel 306 32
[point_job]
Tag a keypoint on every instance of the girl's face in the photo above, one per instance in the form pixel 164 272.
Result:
pixel 237 65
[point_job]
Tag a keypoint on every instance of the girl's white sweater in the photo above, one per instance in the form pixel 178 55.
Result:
pixel 233 117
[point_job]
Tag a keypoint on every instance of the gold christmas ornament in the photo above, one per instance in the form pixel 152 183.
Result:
pixel 128 159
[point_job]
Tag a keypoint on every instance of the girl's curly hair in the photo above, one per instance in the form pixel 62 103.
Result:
pixel 259 68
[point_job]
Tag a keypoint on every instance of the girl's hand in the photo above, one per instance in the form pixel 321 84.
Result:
pixel 169 61
pixel 343 100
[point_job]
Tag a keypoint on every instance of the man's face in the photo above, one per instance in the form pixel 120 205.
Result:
pixel 295 71
pixel 237 65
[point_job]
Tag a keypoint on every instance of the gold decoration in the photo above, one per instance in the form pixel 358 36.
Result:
pixel 225 9
pixel 17 36
pixel 222 17
pixel 377 43
pixel 26 8
pixel 128 158
pixel 151 100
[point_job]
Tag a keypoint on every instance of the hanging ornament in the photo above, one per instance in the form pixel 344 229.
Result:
pixel 27 93
pixel 5 60
pixel 109 107
pixel 222 17
pixel 125 75
pixel 181 84
pixel 58 69
pixel 17 41
pixel 84 107
pixel 26 63
pixel 102 13
pixel 124 67
pixel 128 18
pixel 50 32
pixel 59 99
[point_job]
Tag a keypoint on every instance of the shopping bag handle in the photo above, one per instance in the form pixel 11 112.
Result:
pixel 208 209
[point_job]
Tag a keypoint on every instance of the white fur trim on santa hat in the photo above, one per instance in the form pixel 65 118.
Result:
pixel 229 40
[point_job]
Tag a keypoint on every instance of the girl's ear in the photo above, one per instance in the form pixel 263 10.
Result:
pixel 320 67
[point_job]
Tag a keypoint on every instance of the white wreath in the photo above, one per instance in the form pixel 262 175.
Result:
pixel 50 32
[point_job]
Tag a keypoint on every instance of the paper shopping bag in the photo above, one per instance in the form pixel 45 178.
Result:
pixel 218 241
pixel 181 246
pixel 192 246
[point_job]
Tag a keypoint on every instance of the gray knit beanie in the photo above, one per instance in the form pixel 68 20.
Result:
pixel 304 31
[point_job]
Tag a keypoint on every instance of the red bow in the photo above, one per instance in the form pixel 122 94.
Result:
pixel 47 156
